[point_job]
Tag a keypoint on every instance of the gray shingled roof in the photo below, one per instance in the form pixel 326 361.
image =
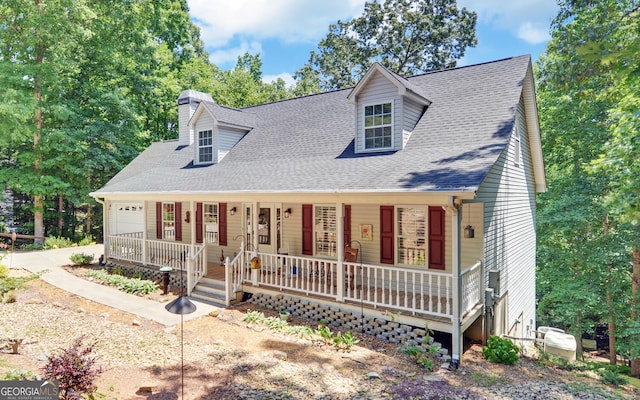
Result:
pixel 307 144
pixel 232 116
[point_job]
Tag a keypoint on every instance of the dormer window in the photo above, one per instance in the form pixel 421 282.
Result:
pixel 378 126
pixel 205 146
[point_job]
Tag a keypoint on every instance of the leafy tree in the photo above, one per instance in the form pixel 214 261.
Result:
pixel 242 86
pixel 588 82
pixel 406 36
pixel 102 78
pixel 40 54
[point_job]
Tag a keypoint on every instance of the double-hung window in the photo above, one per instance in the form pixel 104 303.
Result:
pixel 325 230
pixel 411 235
pixel 378 126
pixel 210 222
pixel 205 146
pixel 168 221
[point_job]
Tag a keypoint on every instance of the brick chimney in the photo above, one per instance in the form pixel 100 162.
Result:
pixel 187 103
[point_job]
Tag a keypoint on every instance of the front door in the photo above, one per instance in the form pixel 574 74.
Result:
pixel 269 215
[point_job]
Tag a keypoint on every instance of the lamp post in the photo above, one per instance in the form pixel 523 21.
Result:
pixel 182 305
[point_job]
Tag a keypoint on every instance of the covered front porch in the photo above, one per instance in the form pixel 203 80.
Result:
pixel 440 298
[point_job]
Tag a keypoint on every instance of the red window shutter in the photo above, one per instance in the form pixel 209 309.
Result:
pixel 222 224
pixel 178 221
pixel 158 220
pixel 347 224
pixel 436 237
pixel 386 234
pixel 307 229
pixel 199 223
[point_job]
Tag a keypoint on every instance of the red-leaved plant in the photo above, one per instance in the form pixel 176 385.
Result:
pixel 75 369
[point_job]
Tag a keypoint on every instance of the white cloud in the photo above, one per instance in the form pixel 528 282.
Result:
pixel 528 20
pixel 286 77
pixel 231 54
pixel 291 21
pixel 534 33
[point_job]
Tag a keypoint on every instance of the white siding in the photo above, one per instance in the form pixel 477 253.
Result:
pixel 226 139
pixel 508 193
pixel 379 90
pixel 185 133
pixel 412 111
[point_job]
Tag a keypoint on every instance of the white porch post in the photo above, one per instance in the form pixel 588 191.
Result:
pixel 254 226
pixel 456 335
pixel 145 259
pixel 106 209
pixel 192 226
pixel 340 251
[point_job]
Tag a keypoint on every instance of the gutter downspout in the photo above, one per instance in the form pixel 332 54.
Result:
pixel 456 336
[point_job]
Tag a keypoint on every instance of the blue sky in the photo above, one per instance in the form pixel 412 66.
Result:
pixel 285 31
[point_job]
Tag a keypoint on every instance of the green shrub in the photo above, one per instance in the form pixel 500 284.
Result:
pixel 81 258
pixel 57 242
pixel 10 283
pixel 87 240
pixel 612 378
pixel 128 285
pixel 345 341
pixel 500 350
pixel 4 271
pixel 15 374
pixel 412 350
pixel 419 355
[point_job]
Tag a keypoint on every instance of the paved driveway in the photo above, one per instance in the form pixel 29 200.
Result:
pixel 50 262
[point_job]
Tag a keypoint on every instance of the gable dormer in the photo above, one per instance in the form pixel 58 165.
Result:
pixel 388 107
pixel 216 129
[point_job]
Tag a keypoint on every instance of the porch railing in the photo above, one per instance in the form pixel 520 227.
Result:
pixel 180 256
pixel 471 288
pixel 376 286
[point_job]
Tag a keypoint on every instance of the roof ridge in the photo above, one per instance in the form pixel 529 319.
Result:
pixel 468 66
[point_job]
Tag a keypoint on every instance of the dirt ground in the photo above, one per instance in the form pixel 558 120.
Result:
pixel 227 358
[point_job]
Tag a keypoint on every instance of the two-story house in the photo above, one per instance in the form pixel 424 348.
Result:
pixel 412 195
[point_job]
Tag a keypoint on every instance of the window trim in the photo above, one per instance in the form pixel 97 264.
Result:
pixel 421 258
pixel 390 125
pixel 326 244
pixel 216 233
pixel 200 147
pixel 168 224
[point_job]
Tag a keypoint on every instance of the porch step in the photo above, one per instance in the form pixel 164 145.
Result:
pixel 210 291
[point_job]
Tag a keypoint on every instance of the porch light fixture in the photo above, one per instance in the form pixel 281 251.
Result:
pixel 187 218
pixel 233 211
pixel 469 231
pixel 287 212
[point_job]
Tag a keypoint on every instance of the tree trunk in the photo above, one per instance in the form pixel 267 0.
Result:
pixel 60 215
pixel 88 219
pixel 613 356
pixel 38 200
pixel 635 280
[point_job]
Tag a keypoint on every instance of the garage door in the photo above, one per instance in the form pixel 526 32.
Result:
pixel 126 218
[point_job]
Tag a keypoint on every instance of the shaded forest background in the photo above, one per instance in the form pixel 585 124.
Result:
pixel 86 85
